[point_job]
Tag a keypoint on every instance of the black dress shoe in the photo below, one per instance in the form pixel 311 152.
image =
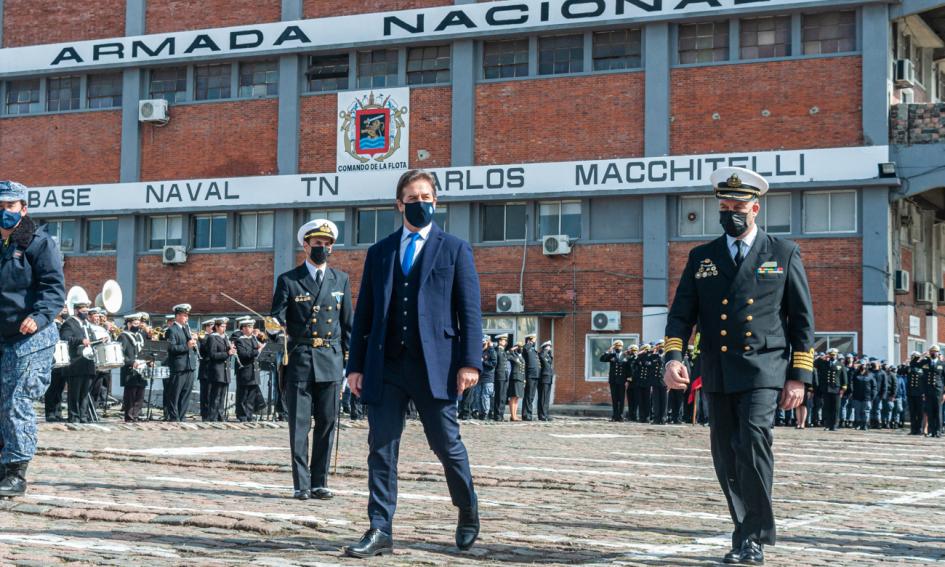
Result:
pixel 374 542
pixel 322 494
pixel 302 495
pixel 751 553
pixel 733 556
pixel 467 528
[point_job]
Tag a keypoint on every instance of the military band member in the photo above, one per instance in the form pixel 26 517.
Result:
pixel 660 392
pixel 629 372
pixel 532 376
pixel 516 380
pixel 77 332
pixel 206 329
pixel 501 378
pixel 219 350
pixel 651 368
pixel 132 382
pixel 832 382
pixel 102 383
pixel 249 398
pixel 314 301
pixel 748 293
pixel 934 390
pixel 546 379
pixel 182 360
pixel 53 397
pixel 487 378
pixel 615 378
pixel 915 387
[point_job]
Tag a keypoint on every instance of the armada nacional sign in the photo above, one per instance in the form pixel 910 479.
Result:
pixel 444 22
pixel 533 180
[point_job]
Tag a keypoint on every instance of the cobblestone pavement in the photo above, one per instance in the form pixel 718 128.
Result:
pixel 574 491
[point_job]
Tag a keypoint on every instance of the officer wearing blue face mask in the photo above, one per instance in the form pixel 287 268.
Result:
pixel 32 293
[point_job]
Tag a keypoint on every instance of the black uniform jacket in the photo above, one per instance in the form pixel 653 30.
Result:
pixel 72 332
pixel 180 357
pixel 318 320
pixel 247 351
pixel 756 322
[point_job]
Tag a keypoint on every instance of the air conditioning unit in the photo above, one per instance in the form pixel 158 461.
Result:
pixel 905 73
pixel 925 292
pixel 605 320
pixel 154 110
pixel 907 96
pixel 174 254
pixel 902 281
pixel 556 244
pixel 509 303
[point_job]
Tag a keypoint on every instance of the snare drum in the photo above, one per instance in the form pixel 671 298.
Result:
pixel 156 373
pixel 61 355
pixel 108 356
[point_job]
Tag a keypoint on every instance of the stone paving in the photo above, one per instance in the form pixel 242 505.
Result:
pixel 573 491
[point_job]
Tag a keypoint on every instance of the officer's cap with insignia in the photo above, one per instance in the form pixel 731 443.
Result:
pixel 531 336
pixel 646 346
pixel 502 336
pixel 246 321
pixel 634 346
pixel 12 191
pixel 96 311
pixel 182 308
pixel 738 183
pixel 132 317
pixel 221 320
pixel 317 227
pixel 934 348
pixel 618 342
pixel 546 343
pixel 833 351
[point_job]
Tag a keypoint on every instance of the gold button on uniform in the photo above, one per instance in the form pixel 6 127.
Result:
pixel 747 347
pixel 724 332
pixel 748 334
pixel 748 318
pixel 724 302
pixel 751 301
pixel 724 316
pixel 329 321
pixel 724 348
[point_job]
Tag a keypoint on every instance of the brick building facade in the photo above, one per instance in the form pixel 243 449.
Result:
pixel 766 77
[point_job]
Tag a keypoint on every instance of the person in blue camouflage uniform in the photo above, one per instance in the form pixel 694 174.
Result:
pixel 32 293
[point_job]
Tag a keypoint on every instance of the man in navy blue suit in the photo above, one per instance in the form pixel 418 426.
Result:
pixel 416 337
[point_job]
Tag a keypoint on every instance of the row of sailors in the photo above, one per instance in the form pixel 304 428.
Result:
pixel 635 376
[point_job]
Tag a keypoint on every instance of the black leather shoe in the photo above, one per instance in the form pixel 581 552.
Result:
pixel 733 556
pixel 751 553
pixel 322 494
pixel 302 495
pixel 14 480
pixel 467 528
pixel 374 542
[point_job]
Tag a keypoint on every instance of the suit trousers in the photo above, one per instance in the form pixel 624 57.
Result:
pixel 644 403
pixel 132 401
pixel 498 401
pixel 740 430
pixel 677 405
pixel 216 404
pixel 405 379
pixel 205 388
pixel 933 409
pixel 53 396
pixel 304 400
pixel 544 399
pixel 660 402
pixel 186 387
pixel 78 397
pixel 915 414
pixel 831 406
pixel 531 389
pixel 632 402
pixel 617 392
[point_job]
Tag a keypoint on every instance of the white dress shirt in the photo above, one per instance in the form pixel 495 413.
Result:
pixel 405 240
pixel 748 240
pixel 313 271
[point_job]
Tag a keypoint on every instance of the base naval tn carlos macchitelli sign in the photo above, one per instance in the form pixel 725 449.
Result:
pixel 630 176
pixel 373 130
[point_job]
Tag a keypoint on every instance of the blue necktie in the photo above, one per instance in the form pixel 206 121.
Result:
pixel 409 253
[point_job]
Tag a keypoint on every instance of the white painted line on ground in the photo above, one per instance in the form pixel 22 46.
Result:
pixel 592 436
pixel 614 462
pixel 90 544
pixel 852 555
pixel 668 514
pixel 192 451
pixel 831 458
pixel 638 550
pixel 583 472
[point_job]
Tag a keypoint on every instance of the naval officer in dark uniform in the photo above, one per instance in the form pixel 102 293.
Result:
pixel 748 294
pixel 314 302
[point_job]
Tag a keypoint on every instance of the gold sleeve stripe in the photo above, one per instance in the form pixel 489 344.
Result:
pixel 672 344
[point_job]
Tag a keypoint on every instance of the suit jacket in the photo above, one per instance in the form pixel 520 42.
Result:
pixel 73 333
pixel 217 353
pixel 547 366
pixel 756 322
pixel 313 313
pixel 615 374
pixel 180 357
pixel 247 352
pixel 532 362
pixel 449 307
pixel 131 345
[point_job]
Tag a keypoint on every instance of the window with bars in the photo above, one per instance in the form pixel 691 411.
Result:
pixel 829 32
pixel 101 235
pixel 617 49
pixel 255 230
pixel 165 230
pixel 502 222
pixel 336 216
pixel 209 232
pixel 327 72
pixel 504 59
pixel 259 78
pixel 377 68
pixel 22 96
pixel 64 231
pixel 762 38
pixel 104 91
pixel 428 65
pixel 561 54
pixel 212 82
pixel 704 42
pixel 374 224
pixel 62 93
pixel 169 84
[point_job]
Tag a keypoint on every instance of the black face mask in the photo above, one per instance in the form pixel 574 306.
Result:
pixel 318 255
pixel 733 223
pixel 419 213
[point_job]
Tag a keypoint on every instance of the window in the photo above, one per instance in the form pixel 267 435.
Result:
pixel 212 82
pixel 830 211
pixel 336 216
pixel 561 54
pixel 104 91
pixel 703 43
pixel 615 218
pixel 23 96
pixel 101 235
pixel 698 216
pixel 255 230
pixel 327 72
pixel 597 345
pixel 915 345
pixel 844 342
pixel 377 68
pixel 62 93
pixel 505 221
pixel 374 224
pixel 618 49
pixel 428 65
pixel 166 231
pixel 832 32
pixel 765 37
pixel 169 84
pixel 210 231
pixel 504 59
pixel 441 216
pixel 63 231
pixel 559 217
pixel 775 215
pixel 259 78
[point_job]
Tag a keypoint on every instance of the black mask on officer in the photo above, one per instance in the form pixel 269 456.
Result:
pixel 318 254
pixel 733 223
